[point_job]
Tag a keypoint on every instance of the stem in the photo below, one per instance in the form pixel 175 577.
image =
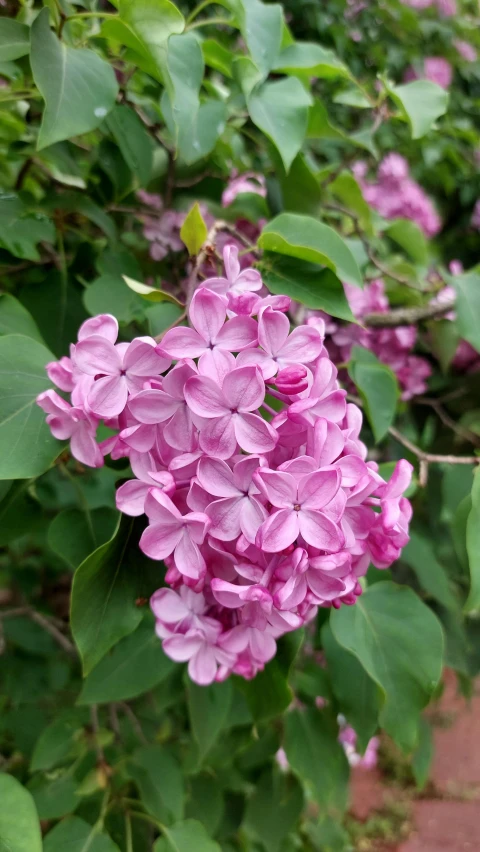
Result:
pixel 44 622
pixel 134 722
pixel 207 22
pixel 461 431
pixel 431 458
pixel 201 6
pixel 77 15
pixel 95 729
pixel 180 319
pixel 128 833
pixel 406 316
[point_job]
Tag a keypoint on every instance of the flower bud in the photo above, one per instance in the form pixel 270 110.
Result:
pixel 292 379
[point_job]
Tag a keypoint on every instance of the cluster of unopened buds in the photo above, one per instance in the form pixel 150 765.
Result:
pixel 248 465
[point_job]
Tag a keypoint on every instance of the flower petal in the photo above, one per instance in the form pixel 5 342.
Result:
pixel 160 540
pixel 143 358
pixel 279 531
pixel 316 489
pixel 279 488
pixel 188 559
pixel 254 434
pixel 237 334
pixel 105 325
pixel 96 355
pixel 216 477
pixel 168 606
pixel 303 345
pixel 218 438
pixel 205 398
pixel 183 342
pixel 83 445
pixel 225 517
pixel 153 406
pixel 207 314
pixel 319 531
pixel 273 329
pixel 182 647
pixel 108 396
pixel 130 497
pixel 202 667
pixel 244 389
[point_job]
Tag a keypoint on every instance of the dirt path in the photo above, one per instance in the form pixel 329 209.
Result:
pixel 389 814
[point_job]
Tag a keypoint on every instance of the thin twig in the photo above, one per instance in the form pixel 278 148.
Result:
pixel 180 319
pixel 461 431
pixel 43 621
pixel 431 458
pixel 95 731
pixel 23 173
pixel 114 723
pixel 134 722
pixel 406 316
pixel 207 248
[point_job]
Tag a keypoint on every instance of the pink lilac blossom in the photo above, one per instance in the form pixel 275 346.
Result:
pixel 437 69
pixel 395 195
pixel 475 220
pixel 465 50
pixel 246 182
pixel 446 8
pixel 392 346
pixel 260 515
pixel 466 358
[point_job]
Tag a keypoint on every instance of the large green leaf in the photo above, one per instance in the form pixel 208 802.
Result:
pixel 312 59
pixel 108 294
pixel 133 140
pixel 76 835
pixel 14 39
pixel 159 779
pixel 74 534
pixel 208 709
pixel 269 694
pixel 194 126
pixel 317 757
pixel 14 319
pixel 280 110
pixel 274 808
pixel 411 238
pixel 261 25
pixel 54 798
pixel 79 88
pixel 134 666
pixel 311 285
pixel 145 26
pixel 19 825
pixel 422 103
pixel 357 694
pixel 419 553
pixel 58 741
pixel 467 287
pixel 185 837
pixel 399 642
pixel 56 308
pixel 22 230
pixel 28 448
pixel 20 513
pixel 473 547
pixel 378 388
pixel 307 239
pixel 105 591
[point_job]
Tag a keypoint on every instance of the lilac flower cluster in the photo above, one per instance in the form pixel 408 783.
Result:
pixel 247 462
pixel 437 69
pixel 446 8
pixel 395 195
pixel 392 346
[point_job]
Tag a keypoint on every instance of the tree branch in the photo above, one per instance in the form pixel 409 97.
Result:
pixel 406 316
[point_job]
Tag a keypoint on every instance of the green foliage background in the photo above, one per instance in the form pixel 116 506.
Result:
pixel 104 743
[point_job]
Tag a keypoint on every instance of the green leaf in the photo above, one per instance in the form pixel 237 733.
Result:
pixel 20 513
pixel 208 710
pixel 307 239
pixel 21 230
pixel 357 694
pixel 354 97
pixel 194 230
pixel 108 294
pixel 78 87
pixel 186 836
pixel 63 165
pixel 312 59
pixel 473 547
pixel 19 825
pixel 58 741
pixel 206 801
pixel 346 188
pixel 159 779
pixel 422 757
pixel 161 316
pixel 57 310
pixel 269 693
pixel 444 340
pixel 14 39
pixel 419 553
pixel 82 205
pixel 411 238
pixel 317 757
pixel 301 191
pixel 75 835
pixel 378 388
pixel 145 26
pixel 105 590
pixel 467 287
pixel 261 25
pixel 216 56
pixel 151 294
pixel 311 285
pixel 422 103
pixel 54 799
pixel 74 534
pixel 194 126
pixel 134 666
pixel 280 110
pixel 399 642
pixel 23 430
pixel 273 809
pixel 133 140
pixel 319 126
